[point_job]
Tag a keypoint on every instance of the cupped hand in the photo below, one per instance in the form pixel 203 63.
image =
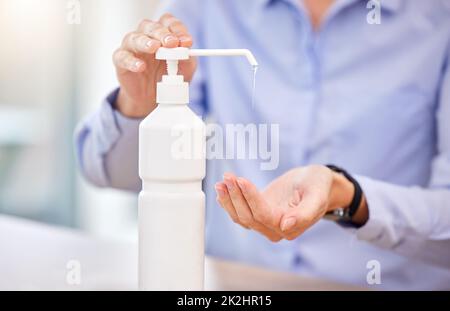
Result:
pixel 289 205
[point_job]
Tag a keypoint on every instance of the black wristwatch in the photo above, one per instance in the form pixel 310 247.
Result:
pixel 345 215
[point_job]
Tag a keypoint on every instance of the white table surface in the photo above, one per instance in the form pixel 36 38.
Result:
pixel 34 257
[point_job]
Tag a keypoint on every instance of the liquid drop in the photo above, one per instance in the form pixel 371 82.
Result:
pixel 255 70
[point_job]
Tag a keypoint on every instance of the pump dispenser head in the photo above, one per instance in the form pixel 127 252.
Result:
pixel 172 56
pixel 172 89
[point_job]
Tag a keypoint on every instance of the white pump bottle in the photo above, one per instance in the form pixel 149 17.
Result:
pixel 172 165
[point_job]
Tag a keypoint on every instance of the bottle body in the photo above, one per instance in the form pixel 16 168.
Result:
pixel 172 166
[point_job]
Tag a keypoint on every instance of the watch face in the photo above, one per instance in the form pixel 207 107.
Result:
pixel 338 215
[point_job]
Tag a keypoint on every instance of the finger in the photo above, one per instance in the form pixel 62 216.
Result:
pixel 126 60
pixel 243 211
pixel 140 43
pixel 240 204
pixel 177 28
pixel 260 209
pixel 223 198
pixel 158 32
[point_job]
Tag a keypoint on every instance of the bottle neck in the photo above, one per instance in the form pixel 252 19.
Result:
pixel 172 90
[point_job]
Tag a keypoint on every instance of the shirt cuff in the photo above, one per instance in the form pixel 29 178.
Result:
pixel 122 121
pixel 113 123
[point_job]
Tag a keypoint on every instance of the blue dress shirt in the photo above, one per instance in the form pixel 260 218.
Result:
pixel 371 98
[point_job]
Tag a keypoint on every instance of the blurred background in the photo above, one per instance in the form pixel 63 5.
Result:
pixel 55 68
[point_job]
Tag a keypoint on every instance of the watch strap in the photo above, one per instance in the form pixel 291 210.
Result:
pixel 345 214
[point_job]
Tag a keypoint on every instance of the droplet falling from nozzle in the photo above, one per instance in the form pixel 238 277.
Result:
pixel 255 70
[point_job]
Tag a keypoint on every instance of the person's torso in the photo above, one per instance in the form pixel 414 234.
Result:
pixel 354 94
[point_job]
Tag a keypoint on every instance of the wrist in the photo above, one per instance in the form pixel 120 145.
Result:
pixel 342 192
pixel 341 196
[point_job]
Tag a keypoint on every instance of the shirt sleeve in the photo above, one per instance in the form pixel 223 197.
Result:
pixel 106 142
pixel 414 221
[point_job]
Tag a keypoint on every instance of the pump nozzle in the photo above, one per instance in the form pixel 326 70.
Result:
pixel 226 52
pixel 172 56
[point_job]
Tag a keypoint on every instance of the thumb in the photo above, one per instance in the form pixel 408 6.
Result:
pixel 288 222
pixel 300 217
